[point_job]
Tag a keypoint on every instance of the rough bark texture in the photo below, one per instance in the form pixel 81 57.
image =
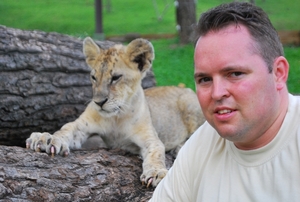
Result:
pixel 44 82
pixel 97 175
pixel 186 19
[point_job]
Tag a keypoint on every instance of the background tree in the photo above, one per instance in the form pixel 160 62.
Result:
pixel 186 19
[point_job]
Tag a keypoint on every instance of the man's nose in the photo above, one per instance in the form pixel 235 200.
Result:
pixel 219 89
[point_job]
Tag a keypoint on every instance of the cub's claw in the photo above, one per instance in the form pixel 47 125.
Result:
pixel 38 148
pixel 149 182
pixel 52 150
pixel 153 177
pixel 66 153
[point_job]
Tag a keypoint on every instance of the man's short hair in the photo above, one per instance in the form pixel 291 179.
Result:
pixel 254 18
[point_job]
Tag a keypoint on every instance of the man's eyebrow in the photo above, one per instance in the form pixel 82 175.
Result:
pixel 236 69
pixel 200 74
pixel 232 68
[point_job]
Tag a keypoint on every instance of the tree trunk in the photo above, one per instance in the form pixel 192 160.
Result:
pixel 44 82
pixel 97 175
pixel 186 19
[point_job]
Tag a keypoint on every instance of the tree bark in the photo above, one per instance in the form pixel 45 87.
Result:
pixel 44 82
pixel 186 19
pixel 97 175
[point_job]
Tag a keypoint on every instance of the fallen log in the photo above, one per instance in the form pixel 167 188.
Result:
pixel 95 175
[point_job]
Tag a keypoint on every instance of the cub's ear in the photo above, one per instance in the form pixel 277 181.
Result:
pixel 90 50
pixel 141 51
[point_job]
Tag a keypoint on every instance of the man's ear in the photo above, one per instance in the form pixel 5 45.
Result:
pixel 91 51
pixel 141 52
pixel 281 71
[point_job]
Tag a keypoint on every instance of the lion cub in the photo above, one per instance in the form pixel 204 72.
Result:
pixel 146 122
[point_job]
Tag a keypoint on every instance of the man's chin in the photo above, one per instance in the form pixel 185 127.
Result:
pixel 228 134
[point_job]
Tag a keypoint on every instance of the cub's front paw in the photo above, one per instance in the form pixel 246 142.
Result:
pixel 153 176
pixel 48 143
pixel 38 141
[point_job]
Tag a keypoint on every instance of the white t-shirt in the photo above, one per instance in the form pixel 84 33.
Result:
pixel 209 168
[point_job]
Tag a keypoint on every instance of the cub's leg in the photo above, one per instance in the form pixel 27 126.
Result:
pixel 71 136
pixel 190 111
pixel 153 154
pixel 191 115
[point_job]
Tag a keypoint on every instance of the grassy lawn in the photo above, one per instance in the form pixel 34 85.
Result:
pixel 174 62
pixel 76 17
pixel 293 56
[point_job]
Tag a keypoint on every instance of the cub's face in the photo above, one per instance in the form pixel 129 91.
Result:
pixel 116 73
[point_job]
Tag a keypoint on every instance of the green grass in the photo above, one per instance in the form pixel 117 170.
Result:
pixel 76 17
pixel 174 62
pixel 293 56
pixel 67 17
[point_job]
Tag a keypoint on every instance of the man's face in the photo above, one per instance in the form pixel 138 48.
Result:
pixel 234 87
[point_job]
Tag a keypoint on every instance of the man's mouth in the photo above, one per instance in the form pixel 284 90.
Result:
pixel 224 111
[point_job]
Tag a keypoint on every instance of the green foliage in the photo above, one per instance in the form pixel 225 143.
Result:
pixel 174 62
pixel 293 56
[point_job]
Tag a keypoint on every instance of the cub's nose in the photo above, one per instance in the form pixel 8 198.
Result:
pixel 101 103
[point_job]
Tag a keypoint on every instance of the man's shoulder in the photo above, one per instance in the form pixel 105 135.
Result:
pixel 292 119
pixel 295 96
pixel 204 138
pixel 205 131
pixel 294 104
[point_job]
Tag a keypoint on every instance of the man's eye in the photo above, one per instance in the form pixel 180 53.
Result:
pixel 204 80
pixel 236 74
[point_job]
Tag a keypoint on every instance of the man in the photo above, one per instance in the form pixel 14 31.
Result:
pixel 249 148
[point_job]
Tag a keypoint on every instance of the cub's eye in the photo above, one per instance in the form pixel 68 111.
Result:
pixel 115 78
pixel 93 77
